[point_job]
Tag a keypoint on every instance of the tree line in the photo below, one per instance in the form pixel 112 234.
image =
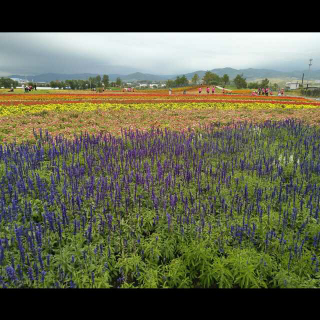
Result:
pixel 208 79
pixel 91 83
pixel 211 78
pixel 8 83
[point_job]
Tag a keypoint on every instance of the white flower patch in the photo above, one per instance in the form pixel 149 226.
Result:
pixel 256 130
pixel 283 159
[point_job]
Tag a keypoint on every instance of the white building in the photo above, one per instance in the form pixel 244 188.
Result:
pixel 143 85
pixel 292 85
pixel 21 81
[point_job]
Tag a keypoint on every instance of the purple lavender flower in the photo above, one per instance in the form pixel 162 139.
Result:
pixel 11 273
pixel 36 269
pixel 43 274
pixel 20 273
pixel 169 221
pixel 30 274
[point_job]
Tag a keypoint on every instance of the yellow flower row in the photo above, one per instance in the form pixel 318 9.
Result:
pixel 83 107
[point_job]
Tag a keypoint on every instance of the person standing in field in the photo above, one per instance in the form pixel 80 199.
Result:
pixel 170 91
pixel 213 88
pixel 282 91
pixel 200 90
pixel 266 91
pixel 208 90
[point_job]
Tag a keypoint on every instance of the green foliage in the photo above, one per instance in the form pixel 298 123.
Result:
pixel 118 82
pixel 195 79
pixel 311 92
pixel 105 80
pixel 179 82
pixel 212 79
pixel 264 83
pixel 8 83
pixel 240 81
pixel 253 85
pixel 225 79
pixel 238 231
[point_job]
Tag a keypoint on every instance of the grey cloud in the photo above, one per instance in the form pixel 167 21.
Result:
pixel 160 53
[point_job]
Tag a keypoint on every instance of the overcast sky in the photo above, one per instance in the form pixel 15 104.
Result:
pixel 155 53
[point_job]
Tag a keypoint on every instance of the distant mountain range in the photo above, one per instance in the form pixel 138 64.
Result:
pixel 250 74
pixel 47 77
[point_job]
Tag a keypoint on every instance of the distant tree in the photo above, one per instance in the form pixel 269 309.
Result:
pixel 195 79
pixel 15 83
pixel 184 81
pixel 8 83
pixel 225 79
pixel 62 84
pixel 253 85
pixel 69 83
pixel 211 78
pixel 53 84
pixel 98 81
pixel 82 84
pixel 264 83
pixel 170 83
pixel 240 81
pixel 177 82
pixel 118 82
pixel 181 81
pixel 105 80
pixel 92 82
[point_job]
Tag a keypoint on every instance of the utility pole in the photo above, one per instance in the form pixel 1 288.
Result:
pixel 310 64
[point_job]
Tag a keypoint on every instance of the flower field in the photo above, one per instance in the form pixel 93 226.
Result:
pixel 14 99
pixel 159 191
